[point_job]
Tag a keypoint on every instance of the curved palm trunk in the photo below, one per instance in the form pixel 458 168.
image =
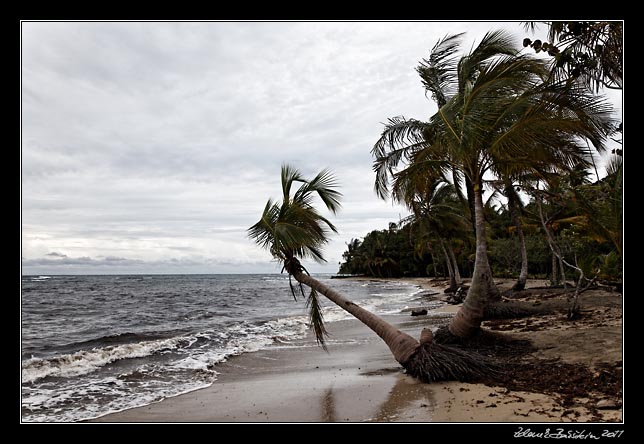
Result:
pixel 457 273
pixel 453 286
pixel 469 317
pixel 434 262
pixel 402 345
pixel 523 274
pixel 423 359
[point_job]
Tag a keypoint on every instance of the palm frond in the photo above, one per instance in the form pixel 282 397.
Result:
pixel 316 319
pixel 614 166
pixel 263 232
pixel 494 44
pixel 324 185
pixel 488 202
pixel 399 132
pixel 438 73
pixel 289 175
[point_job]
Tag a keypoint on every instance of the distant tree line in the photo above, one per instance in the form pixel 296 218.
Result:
pixel 508 149
pixel 583 215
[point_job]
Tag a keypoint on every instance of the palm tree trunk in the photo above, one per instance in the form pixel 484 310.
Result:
pixel 452 279
pixel 457 273
pixel 402 345
pixel 562 271
pixel 514 206
pixel 554 247
pixel 523 274
pixel 471 202
pixel 469 317
pixel 434 263
pixel 424 359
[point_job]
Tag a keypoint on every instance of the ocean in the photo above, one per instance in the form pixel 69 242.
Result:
pixel 93 345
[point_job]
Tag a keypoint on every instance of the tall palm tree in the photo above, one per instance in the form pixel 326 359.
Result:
pixel 436 208
pixel 294 229
pixel 510 190
pixel 494 110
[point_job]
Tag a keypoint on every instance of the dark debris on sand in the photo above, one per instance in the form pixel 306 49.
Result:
pixel 573 384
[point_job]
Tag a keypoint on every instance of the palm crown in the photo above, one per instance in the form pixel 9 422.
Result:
pixel 294 228
pixel 494 113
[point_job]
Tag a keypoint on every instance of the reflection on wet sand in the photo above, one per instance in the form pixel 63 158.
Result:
pixel 328 406
pixel 406 399
pixel 406 394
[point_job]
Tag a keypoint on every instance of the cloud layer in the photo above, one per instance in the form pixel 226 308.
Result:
pixel 151 147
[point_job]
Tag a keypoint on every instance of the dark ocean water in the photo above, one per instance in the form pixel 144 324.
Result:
pixel 98 344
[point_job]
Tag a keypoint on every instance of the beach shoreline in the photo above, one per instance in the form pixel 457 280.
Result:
pixel 359 381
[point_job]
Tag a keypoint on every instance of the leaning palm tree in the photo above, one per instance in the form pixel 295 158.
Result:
pixel 294 229
pixel 495 115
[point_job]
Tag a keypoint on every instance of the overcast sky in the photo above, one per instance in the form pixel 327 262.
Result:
pixel 152 147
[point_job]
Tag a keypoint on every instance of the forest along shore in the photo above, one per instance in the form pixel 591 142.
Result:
pixel 571 373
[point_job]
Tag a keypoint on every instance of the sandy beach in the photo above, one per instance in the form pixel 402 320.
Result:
pixel 359 381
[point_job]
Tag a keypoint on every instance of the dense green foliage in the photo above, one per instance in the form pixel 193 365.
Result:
pixel 588 52
pixel 585 217
pixel 508 128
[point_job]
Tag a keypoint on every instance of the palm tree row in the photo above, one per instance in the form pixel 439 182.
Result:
pixel 498 119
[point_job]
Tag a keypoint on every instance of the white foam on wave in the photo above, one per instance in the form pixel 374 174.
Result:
pixel 243 337
pixel 87 361
pixel 196 362
pixel 44 406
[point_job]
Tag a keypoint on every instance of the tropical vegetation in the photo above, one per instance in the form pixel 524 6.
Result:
pixel 502 180
pixel 499 117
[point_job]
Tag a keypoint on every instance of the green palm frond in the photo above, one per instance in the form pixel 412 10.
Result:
pixel 295 228
pixel 438 72
pixel 316 319
pixel 494 44
pixel 324 185
pixel 399 132
pixel 288 176
pixel 614 167
pixel 263 232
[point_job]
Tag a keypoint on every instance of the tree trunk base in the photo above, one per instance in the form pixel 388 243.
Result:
pixel 434 362
pixel 486 343
pixel 518 286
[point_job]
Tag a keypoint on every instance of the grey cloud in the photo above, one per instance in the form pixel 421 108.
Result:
pixel 55 254
pixel 83 260
pixel 154 140
pixel 121 265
